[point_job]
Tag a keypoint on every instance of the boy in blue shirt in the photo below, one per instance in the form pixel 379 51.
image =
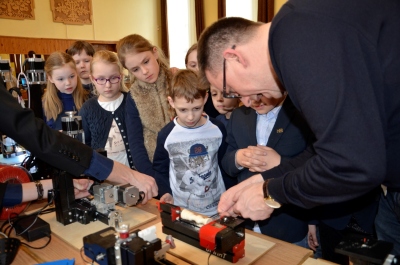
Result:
pixel 189 149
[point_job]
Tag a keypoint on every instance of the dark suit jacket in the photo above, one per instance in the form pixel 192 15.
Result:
pixel 51 146
pixel 290 136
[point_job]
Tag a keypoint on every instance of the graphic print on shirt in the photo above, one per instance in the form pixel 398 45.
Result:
pixel 196 171
pixel 115 146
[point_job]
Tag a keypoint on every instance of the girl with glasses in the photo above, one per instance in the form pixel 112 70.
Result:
pixel 64 91
pixel 103 116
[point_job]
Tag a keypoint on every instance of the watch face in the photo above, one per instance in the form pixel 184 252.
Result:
pixel 273 204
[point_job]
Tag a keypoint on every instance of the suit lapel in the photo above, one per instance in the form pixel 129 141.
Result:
pixel 251 126
pixel 283 120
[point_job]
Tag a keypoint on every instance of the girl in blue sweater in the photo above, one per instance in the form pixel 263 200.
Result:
pixel 64 91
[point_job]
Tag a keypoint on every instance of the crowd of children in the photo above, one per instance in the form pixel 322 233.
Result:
pixel 194 142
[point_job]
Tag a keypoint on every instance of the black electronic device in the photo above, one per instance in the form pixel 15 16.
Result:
pixel 117 246
pixel 364 250
pixel 32 228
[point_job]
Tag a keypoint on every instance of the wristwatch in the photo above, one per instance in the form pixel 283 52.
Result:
pixel 267 197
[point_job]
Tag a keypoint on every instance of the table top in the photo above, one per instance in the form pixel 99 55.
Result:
pixel 282 253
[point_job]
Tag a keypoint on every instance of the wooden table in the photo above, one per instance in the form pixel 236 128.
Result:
pixel 282 253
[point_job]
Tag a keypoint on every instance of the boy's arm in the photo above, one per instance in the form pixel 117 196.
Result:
pixel 161 163
pixel 135 138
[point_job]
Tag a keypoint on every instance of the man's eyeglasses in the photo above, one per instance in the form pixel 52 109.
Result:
pixel 224 93
pixel 103 81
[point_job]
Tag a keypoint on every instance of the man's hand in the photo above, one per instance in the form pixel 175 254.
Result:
pixel 123 174
pixel 227 202
pixel 249 203
pixel 167 198
pixel 81 187
pixel 258 158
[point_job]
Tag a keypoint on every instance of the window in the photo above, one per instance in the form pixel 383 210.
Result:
pixel 240 8
pixel 182 28
pixel 181 23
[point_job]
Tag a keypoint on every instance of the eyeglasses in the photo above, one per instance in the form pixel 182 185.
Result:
pixel 103 81
pixel 224 93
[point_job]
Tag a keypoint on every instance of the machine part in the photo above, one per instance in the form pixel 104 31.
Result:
pixel 14 174
pixel 5 71
pixel 100 208
pixel 111 246
pixel 224 237
pixel 191 216
pixel 72 126
pixel 69 210
pixel 363 250
pixel 34 70
pixel 127 194
pixel 10 148
pixel 99 246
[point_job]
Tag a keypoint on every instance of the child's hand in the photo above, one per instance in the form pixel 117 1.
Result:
pixel 258 158
pixel 312 237
pixel 167 198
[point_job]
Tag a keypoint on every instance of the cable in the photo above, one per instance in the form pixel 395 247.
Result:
pixel 45 245
pixel 88 262
pixel 208 260
pixel 12 224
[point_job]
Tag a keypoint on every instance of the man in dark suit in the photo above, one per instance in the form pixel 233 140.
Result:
pixel 62 151
pixel 289 146
pixel 288 135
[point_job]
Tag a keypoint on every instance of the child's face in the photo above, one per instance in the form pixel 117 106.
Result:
pixel 144 65
pixel 221 104
pixel 192 61
pixel 101 72
pixel 64 78
pixel 189 113
pixel 264 105
pixel 82 61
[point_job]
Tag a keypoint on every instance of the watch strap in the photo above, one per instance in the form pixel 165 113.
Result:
pixel 267 197
pixel 39 188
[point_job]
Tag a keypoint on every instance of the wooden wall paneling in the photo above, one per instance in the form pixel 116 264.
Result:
pixel 21 45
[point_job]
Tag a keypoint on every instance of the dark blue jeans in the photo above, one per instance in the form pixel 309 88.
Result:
pixel 387 222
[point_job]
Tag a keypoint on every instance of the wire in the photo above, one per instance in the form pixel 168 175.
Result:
pixel 26 229
pixel 88 262
pixel 45 245
pixel 208 260
pixel 17 219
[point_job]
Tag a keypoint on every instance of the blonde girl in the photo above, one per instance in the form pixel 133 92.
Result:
pixel 147 108
pixel 64 91
pixel 103 116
